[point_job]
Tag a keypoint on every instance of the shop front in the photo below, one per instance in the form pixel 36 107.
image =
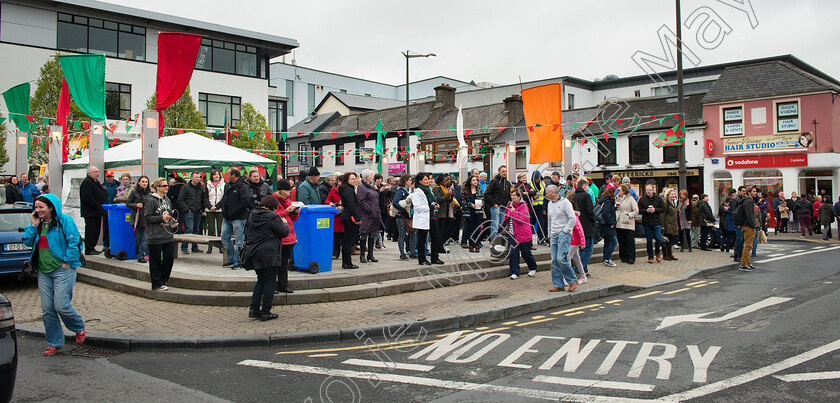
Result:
pixel 660 179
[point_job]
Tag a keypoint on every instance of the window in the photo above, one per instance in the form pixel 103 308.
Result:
pixel 687 87
pixel 637 93
pixel 303 154
pixel 92 35
pixel 227 57
pixel 787 116
pixel 117 100
pixel 521 157
pixel 310 91
pixel 290 93
pixel 733 121
pixel 317 156
pixel 217 108
pixel 670 154
pixel 571 102
pixel 606 152
pixel 342 91
pixel 339 154
pixel 639 150
pixel 446 151
pixel 359 146
pixel 276 116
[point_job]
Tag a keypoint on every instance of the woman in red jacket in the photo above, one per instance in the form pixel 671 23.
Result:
pixel 333 199
pixel 286 210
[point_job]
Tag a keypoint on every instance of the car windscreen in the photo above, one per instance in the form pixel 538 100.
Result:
pixel 12 220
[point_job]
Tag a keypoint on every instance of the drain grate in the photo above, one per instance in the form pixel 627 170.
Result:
pixel 94 352
pixel 481 297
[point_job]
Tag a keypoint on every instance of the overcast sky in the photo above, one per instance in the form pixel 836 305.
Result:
pixel 505 41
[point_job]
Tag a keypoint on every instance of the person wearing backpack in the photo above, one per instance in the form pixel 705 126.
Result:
pixel 652 208
pixel 607 219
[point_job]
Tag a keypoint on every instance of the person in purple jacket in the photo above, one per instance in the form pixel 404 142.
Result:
pixel 518 217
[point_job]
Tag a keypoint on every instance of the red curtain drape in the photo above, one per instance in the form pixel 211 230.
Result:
pixel 176 60
pixel 61 114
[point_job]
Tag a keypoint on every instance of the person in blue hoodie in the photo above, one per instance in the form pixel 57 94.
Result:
pixel 56 253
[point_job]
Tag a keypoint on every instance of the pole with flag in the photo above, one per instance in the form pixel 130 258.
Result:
pixel 380 145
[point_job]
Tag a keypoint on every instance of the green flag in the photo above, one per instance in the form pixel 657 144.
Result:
pixel 17 101
pixel 85 75
pixel 380 143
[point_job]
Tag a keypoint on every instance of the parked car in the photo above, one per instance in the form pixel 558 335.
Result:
pixel 8 350
pixel 13 219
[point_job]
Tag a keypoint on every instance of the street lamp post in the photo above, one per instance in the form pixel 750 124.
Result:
pixel 408 55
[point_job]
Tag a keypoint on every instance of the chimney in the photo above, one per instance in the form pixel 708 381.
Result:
pixel 444 96
pixel 513 108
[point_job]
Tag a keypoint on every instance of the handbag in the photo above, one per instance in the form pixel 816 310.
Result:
pixel 762 237
pixel 409 225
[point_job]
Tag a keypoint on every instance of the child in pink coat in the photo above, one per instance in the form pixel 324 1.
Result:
pixel 578 241
pixel 520 243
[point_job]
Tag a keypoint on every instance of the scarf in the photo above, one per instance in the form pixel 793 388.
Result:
pixel 428 192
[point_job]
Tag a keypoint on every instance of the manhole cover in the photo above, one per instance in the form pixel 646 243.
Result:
pixel 94 352
pixel 481 297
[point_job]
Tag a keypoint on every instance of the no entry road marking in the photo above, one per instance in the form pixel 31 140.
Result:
pixel 390 364
pixel 594 383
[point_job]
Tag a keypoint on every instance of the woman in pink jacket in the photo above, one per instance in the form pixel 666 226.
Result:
pixel 518 216
pixel 578 241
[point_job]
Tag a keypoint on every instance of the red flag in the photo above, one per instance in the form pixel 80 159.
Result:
pixel 61 114
pixel 175 63
pixel 333 134
pixel 179 131
pixel 467 132
pixel 267 136
pixel 86 125
pixel 367 134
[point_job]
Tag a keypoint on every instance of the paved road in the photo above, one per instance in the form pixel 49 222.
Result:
pixel 768 335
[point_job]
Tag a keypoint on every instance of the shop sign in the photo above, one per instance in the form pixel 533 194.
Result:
pixel 730 129
pixel 653 173
pixel 733 114
pixel 761 144
pixel 768 161
pixel 791 109
pixel 787 125
pixel 396 167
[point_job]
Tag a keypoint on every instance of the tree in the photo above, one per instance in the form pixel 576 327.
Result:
pixel 253 122
pixel 183 114
pixel 4 157
pixel 44 104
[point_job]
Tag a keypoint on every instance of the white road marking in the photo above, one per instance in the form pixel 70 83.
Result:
pixel 776 254
pixel 753 375
pixel 799 250
pixel 811 376
pixel 391 365
pixel 699 317
pixel 819 247
pixel 439 383
pixel 594 383
pixel 796 254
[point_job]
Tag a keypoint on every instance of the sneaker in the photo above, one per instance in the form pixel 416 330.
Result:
pixel 163 288
pixel 745 268
pixel 609 263
pixel 185 251
pixel 141 259
pixel 582 280
pixel 514 277
pixel 80 337
pixel 228 264
pixel 531 273
pixel 403 257
pixel 751 267
pixel 52 350
pixel 236 267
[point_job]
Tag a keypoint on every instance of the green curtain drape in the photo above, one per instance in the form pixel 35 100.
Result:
pixel 85 75
pixel 17 101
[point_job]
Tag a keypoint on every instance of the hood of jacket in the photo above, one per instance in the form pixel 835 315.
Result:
pixel 260 216
pixel 536 177
pixel 56 202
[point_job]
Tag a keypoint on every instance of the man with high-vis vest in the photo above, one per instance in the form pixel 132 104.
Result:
pixel 539 208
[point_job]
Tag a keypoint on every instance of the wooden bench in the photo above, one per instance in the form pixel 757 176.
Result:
pixel 213 241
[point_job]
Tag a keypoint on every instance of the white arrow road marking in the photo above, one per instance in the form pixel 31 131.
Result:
pixel 797 254
pixel 391 365
pixel 812 376
pixel 699 317
pixel 439 383
pixel 594 383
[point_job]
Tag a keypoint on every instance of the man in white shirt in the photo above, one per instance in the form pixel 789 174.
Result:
pixel 561 222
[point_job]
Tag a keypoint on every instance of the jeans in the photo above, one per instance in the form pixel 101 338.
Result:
pixel 237 229
pixel 263 290
pixel 586 253
pixel 56 290
pixel 653 233
pixel 695 236
pixel 826 232
pixel 402 235
pixel 755 242
pixel 749 237
pixel 161 257
pixel 141 248
pixel 193 226
pixel 739 243
pixel 610 242
pixel 525 249
pixel 495 220
pixel 561 270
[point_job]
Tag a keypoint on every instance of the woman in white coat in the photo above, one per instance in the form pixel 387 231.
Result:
pixel 424 200
pixel 626 211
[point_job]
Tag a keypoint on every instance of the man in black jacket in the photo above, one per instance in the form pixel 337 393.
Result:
pixel 497 196
pixel 325 187
pixel 583 200
pixel 192 200
pixel 745 220
pixel 92 196
pixel 707 220
pixel 236 205
pixel 651 206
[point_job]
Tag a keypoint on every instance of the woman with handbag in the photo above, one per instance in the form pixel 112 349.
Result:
pixel 351 217
pixel 670 223
pixel 473 212
pixel 160 225
pixel 56 254
pixel 286 210
pixel 625 226
pixel 263 254
pixel 403 219
pixel 137 199
pixel 425 202
pixel 333 199
pixel 445 215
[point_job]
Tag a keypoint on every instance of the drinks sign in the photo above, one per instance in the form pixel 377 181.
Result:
pixel 761 144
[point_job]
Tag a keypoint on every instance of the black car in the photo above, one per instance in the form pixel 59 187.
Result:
pixel 8 350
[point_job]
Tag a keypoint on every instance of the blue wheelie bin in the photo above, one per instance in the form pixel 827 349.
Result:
pixel 120 231
pixel 314 230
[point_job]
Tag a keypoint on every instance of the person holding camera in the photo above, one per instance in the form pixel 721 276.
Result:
pixel 160 225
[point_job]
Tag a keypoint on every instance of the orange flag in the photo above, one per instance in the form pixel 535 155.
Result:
pixel 542 108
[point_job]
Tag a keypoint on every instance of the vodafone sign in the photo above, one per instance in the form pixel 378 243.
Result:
pixel 768 161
